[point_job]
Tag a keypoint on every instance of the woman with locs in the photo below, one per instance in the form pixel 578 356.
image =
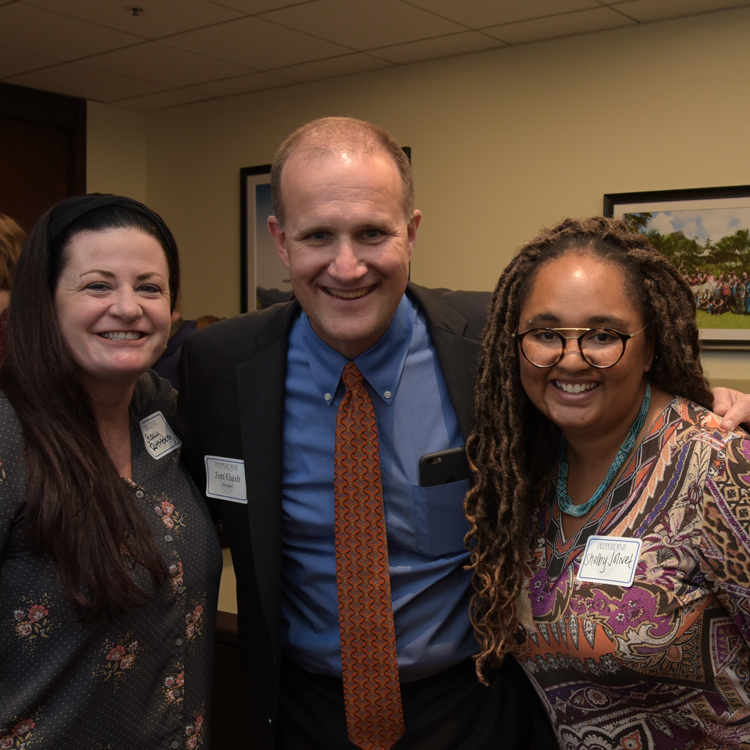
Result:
pixel 610 519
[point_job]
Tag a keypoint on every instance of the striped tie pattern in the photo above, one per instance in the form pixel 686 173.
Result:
pixel 372 693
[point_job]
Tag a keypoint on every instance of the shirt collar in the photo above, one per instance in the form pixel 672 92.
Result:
pixel 381 365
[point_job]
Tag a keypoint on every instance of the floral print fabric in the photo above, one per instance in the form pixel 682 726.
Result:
pixel 665 663
pixel 140 681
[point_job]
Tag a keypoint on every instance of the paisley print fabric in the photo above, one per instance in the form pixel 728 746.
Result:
pixel 665 663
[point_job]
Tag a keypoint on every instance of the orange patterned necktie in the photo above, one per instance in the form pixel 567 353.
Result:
pixel 372 693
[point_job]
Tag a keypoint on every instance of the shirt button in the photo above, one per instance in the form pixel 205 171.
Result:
pixel 175 743
pixel 168 537
pixel 180 589
pixel 387 394
pixel 178 642
pixel 328 397
pixel 139 493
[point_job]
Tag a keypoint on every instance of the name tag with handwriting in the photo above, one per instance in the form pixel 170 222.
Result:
pixel 225 479
pixel 158 435
pixel 610 559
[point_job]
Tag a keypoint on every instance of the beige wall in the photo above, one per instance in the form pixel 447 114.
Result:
pixel 116 151
pixel 503 142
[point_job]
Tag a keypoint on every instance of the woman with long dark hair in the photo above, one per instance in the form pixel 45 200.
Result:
pixel 611 513
pixel 109 565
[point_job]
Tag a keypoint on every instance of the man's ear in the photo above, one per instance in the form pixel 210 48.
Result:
pixel 279 239
pixel 411 230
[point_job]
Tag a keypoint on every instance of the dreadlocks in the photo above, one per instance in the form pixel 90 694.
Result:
pixel 513 445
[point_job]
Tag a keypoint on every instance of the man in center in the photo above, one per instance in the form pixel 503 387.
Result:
pixel 265 391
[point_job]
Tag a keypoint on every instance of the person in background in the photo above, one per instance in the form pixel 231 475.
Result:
pixel 610 519
pixel 11 241
pixel 167 366
pixel 109 564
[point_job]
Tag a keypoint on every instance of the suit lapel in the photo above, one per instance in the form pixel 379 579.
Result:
pixel 260 393
pixel 458 355
pixel 458 361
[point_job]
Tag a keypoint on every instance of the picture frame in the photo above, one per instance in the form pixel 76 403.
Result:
pixel 260 267
pixel 705 232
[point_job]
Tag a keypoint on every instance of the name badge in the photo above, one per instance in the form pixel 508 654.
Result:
pixel 610 559
pixel 158 436
pixel 225 479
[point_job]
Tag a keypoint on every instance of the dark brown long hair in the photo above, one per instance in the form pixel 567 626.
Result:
pixel 512 445
pixel 79 511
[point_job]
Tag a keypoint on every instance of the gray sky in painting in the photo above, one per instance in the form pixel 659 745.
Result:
pixel 705 224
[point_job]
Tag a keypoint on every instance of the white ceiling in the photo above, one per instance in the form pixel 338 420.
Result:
pixel 171 52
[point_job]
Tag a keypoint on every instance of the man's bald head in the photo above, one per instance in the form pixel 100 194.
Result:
pixel 329 136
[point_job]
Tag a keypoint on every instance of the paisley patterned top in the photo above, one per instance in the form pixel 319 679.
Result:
pixel 142 680
pixel 664 663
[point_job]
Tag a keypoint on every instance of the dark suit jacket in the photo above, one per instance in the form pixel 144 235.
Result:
pixel 231 405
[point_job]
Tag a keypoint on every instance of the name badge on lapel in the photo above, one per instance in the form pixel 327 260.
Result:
pixel 610 559
pixel 158 436
pixel 225 479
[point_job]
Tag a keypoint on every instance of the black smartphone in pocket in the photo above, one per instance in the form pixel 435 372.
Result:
pixel 443 467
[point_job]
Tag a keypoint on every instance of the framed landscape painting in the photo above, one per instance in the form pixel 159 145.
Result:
pixel 705 232
pixel 260 266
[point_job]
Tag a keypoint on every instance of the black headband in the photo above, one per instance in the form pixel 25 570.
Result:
pixel 70 210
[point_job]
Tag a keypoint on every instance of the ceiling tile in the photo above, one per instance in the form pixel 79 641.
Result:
pixel 159 17
pixel 45 33
pixel 13 62
pixel 256 44
pixel 477 14
pixel 582 22
pixel 162 100
pixel 253 7
pixel 442 46
pixel 213 48
pixel 241 84
pixel 363 26
pixel 162 63
pixel 77 80
pixel 336 66
pixel 662 10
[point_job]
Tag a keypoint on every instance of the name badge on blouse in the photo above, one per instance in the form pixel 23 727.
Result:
pixel 158 436
pixel 610 559
pixel 225 479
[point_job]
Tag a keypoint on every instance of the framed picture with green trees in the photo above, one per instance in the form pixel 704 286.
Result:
pixel 705 232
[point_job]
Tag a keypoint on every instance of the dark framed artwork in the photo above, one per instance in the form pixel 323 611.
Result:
pixel 705 232
pixel 260 266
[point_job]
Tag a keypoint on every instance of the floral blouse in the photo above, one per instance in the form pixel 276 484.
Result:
pixel 663 663
pixel 142 680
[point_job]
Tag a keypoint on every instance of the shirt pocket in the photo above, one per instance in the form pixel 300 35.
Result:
pixel 440 521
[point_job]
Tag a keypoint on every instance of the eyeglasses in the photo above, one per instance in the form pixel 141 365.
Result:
pixel 598 347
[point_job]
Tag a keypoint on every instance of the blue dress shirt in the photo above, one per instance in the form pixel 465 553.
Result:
pixel 425 526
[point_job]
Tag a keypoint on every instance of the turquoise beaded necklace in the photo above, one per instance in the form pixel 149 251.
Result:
pixel 564 502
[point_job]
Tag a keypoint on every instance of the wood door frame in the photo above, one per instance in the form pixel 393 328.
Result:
pixel 67 112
